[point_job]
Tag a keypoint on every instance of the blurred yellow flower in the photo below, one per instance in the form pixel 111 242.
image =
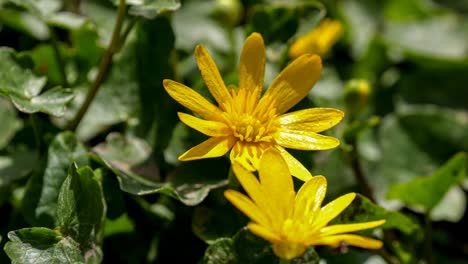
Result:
pixel 249 123
pixel 292 222
pixel 318 41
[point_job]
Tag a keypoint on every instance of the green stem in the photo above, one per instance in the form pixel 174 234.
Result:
pixel 104 66
pixel 59 58
pixel 359 173
pixel 128 28
pixel 428 238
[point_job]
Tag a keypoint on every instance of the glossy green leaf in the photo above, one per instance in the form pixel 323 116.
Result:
pixel 129 158
pixel 81 207
pixel 18 83
pixel 428 191
pixel 41 245
pixel 43 190
pixel 402 159
pixel 244 247
pixel 363 210
pixel 10 122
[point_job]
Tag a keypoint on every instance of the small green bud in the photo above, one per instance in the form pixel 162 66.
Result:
pixel 356 95
pixel 228 12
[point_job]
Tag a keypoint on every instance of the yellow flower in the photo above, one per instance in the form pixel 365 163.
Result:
pixel 318 41
pixel 249 123
pixel 292 222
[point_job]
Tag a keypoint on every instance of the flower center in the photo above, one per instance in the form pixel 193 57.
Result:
pixel 248 128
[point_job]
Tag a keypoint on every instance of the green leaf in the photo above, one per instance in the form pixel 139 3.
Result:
pixel 210 223
pixel 16 166
pixel 81 207
pixel 158 115
pixel 244 247
pixel 149 9
pixel 221 251
pixel 25 22
pixel 428 191
pixel 402 159
pixel 203 29
pixel 40 201
pixel 363 210
pixel 10 123
pixel 19 84
pixel 129 159
pixel 361 20
pixel 41 245
pixel 416 38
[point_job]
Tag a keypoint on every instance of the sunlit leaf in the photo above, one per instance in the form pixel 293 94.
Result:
pixel 40 203
pixel 428 191
pixel 363 210
pixel 41 245
pixel 81 207
pixel 18 83
pixel 129 158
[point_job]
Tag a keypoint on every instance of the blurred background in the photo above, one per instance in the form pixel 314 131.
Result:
pixel 398 68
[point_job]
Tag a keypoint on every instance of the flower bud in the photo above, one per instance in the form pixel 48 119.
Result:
pixel 356 95
pixel 228 12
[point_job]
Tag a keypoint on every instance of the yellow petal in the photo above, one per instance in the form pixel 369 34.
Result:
pixel 312 119
pixel 253 188
pixel 209 128
pixel 212 77
pixel 309 199
pixel 263 232
pixel 252 65
pixel 295 167
pixel 334 208
pixel 293 83
pixel 277 183
pixel 248 154
pixel 304 140
pixel 347 239
pixel 246 206
pixel 192 100
pixel 211 148
pixel 348 228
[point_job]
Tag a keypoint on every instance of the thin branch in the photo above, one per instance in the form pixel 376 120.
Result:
pixel 428 238
pixel 359 173
pixel 104 66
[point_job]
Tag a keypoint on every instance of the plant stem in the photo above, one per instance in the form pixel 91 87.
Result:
pixel 428 238
pixel 59 58
pixel 359 173
pixel 104 66
pixel 126 31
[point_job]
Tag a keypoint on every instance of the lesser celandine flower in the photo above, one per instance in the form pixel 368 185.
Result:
pixel 249 123
pixel 292 222
pixel 318 41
